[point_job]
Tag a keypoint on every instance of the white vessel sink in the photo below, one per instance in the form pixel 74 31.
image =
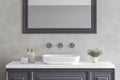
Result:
pixel 60 59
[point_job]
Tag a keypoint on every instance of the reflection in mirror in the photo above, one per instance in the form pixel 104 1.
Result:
pixel 59 17
pixel 64 15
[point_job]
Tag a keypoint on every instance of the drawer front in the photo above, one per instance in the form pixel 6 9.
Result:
pixel 60 75
pixel 60 78
pixel 103 75
pixel 53 73
pixel 18 75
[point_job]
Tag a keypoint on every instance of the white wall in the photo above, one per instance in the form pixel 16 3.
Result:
pixel 13 42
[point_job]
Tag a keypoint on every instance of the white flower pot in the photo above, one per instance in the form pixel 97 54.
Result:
pixel 95 59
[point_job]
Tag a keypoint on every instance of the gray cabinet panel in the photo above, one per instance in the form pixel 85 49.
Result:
pixel 102 78
pixel 18 75
pixel 60 78
pixel 60 75
pixel 102 75
pixel 53 73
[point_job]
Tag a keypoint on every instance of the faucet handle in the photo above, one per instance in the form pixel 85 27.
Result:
pixel 72 45
pixel 49 45
pixel 60 45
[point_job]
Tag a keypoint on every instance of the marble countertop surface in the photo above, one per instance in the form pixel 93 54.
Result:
pixel 81 65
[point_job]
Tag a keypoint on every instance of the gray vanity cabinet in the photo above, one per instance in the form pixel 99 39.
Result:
pixel 60 74
pixel 18 75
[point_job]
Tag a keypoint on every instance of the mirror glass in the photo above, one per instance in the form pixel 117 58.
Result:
pixel 59 13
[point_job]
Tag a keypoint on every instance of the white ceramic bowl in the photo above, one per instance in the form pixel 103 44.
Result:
pixel 60 59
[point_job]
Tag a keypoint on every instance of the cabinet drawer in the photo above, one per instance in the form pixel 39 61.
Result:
pixel 18 75
pixel 102 75
pixel 60 75
pixel 53 73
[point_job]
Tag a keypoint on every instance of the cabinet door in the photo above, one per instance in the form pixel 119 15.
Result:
pixel 60 75
pixel 18 75
pixel 103 75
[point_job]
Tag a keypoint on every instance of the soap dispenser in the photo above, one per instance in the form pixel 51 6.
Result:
pixel 25 58
pixel 28 52
pixel 32 56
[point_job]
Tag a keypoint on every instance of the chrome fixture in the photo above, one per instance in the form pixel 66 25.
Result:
pixel 72 45
pixel 49 45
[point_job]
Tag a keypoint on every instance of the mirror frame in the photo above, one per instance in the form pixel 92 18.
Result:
pixel 28 30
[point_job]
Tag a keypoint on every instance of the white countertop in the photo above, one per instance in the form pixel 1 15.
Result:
pixel 18 65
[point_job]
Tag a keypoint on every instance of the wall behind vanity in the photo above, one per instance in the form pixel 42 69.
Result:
pixel 13 42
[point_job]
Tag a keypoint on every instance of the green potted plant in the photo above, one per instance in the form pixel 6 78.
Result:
pixel 95 53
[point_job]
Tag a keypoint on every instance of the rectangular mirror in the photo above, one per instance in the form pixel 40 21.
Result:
pixel 59 16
